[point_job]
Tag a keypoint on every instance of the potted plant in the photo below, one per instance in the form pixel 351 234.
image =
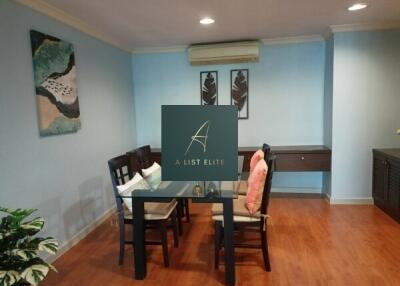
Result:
pixel 19 248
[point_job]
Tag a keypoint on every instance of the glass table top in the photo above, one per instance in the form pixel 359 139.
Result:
pixel 189 189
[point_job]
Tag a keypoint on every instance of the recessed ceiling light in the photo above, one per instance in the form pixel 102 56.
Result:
pixel 357 6
pixel 207 21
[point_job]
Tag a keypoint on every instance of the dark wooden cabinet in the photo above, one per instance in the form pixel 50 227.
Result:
pixel 386 181
pixel 301 162
pixel 307 158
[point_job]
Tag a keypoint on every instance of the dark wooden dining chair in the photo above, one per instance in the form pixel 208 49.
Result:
pixel 144 156
pixel 157 215
pixel 243 221
pixel 146 160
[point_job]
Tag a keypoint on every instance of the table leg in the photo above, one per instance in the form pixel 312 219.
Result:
pixel 139 247
pixel 228 242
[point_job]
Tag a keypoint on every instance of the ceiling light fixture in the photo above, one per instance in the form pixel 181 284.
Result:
pixel 357 6
pixel 207 21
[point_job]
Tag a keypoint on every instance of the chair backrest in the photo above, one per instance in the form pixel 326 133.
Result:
pixel 267 150
pixel 144 156
pixel 134 161
pixel 121 172
pixel 269 159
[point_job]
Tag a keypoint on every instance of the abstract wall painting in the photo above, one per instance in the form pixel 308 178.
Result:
pixel 240 92
pixel 209 88
pixel 55 84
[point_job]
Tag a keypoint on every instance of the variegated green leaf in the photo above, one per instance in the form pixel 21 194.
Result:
pixel 8 277
pixel 50 245
pixel 20 213
pixel 21 248
pixel 4 234
pixel 35 224
pixel 25 254
pixel 52 267
pixel 35 273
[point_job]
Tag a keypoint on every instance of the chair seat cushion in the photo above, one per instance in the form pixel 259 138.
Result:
pixel 155 210
pixel 159 208
pixel 239 209
pixel 242 188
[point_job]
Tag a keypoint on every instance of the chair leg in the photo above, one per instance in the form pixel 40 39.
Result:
pixel 217 241
pixel 180 215
pixel 187 210
pixel 264 246
pixel 174 219
pixel 164 241
pixel 121 240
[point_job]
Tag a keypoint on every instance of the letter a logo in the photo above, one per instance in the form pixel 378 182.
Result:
pixel 202 139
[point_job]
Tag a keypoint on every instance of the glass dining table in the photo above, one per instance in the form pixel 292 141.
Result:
pixel 223 192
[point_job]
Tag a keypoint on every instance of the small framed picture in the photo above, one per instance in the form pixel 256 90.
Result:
pixel 240 92
pixel 209 88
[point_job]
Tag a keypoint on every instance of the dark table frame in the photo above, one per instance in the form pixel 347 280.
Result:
pixel 139 247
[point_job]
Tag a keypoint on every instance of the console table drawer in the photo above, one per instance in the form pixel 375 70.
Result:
pixel 303 162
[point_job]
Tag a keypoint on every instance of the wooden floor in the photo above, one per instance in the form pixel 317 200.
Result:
pixel 311 243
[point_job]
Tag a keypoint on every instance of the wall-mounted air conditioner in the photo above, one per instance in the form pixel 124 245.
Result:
pixel 224 53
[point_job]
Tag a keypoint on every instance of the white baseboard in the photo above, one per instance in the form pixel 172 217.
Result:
pixel 67 245
pixel 296 190
pixel 327 197
pixel 348 201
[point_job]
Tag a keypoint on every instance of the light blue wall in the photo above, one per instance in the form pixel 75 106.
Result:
pixel 366 105
pixel 285 104
pixel 328 97
pixel 64 176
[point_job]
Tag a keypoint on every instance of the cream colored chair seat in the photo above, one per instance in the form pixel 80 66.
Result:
pixel 155 211
pixel 242 189
pixel 240 212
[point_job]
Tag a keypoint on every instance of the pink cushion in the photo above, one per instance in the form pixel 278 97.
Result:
pixel 255 186
pixel 257 156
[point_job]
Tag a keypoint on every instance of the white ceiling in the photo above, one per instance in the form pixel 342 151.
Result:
pixel 135 24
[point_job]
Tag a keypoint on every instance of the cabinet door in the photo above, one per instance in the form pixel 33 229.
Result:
pixel 379 179
pixel 394 186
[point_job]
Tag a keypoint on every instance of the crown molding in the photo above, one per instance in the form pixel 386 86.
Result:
pixel 292 40
pixel 65 18
pixel 364 27
pixel 327 33
pixel 272 41
pixel 167 49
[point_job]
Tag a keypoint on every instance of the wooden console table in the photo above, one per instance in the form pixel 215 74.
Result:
pixel 306 158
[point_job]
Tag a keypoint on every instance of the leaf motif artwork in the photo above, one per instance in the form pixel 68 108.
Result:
pixel 55 84
pixel 240 92
pixel 209 88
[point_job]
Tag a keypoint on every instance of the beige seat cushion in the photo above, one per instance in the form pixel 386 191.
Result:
pixel 154 211
pixel 239 209
pixel 242 189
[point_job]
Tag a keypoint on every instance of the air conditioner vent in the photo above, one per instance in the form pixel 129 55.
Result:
pixel 224 53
